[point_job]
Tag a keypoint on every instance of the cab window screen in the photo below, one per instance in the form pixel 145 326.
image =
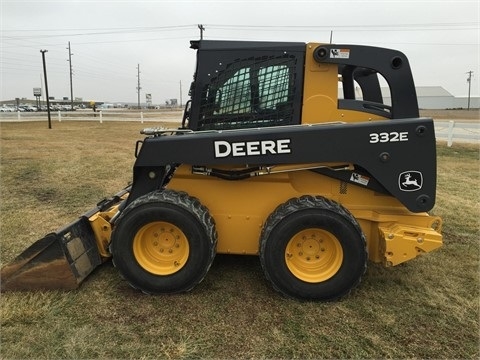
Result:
pixel 235 95
pixel 253 92
pixel 273 83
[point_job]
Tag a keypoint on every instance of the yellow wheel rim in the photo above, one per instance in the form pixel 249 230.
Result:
pixel 161 248
pixel 314 255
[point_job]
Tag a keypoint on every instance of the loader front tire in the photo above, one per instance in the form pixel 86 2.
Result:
pixel 164 242
pixel 312 248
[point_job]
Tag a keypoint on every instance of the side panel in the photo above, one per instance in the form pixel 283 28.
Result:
pixel 240 209
pixel 399 154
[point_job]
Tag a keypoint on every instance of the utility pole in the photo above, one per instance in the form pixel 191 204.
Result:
pixel 71 72
pixel 181 93
pixel 43 92
pixel 202 29
pixel 46 87
pixel 469 80
pixel 138 84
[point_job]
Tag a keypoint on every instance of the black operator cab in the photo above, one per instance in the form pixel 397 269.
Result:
pixel 246 84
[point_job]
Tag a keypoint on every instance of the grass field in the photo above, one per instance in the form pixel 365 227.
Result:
pixel 426 308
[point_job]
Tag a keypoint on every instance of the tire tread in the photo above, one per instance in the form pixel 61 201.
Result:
pixel 301 203
pixel 184 201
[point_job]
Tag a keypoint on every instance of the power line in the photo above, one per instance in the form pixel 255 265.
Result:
pixel 87 32
pixel 136 30
pixel 353 27
pixel 109 31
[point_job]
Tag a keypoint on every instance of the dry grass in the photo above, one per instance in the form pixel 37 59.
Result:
pixel 472 114
pixel 427 308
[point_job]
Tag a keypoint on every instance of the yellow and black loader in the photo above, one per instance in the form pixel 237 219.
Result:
pixel 293 152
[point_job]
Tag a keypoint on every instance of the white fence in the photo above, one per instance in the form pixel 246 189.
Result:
pixel 173 115
pixel 463 131
pixel 457 131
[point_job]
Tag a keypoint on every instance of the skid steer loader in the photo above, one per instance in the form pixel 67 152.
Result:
pixel 289 151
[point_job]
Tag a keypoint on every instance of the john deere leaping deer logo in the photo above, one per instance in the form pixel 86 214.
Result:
pixel 410 181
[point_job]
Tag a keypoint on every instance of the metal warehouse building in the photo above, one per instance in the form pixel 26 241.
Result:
pixel 436 97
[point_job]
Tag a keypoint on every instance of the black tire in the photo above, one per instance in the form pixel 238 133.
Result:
pixel 164 242
pixel 312 248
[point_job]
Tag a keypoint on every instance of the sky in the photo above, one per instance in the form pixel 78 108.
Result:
pixel 111 41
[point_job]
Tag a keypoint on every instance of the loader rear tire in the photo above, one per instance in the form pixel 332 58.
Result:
pixel 312 248
pixel 164 242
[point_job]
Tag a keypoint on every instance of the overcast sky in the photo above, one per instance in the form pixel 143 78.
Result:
pixel 110 38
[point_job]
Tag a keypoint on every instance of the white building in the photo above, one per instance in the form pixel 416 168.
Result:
pixel 436 97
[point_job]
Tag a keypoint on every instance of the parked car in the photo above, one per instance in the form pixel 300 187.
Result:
pixel 27 108
pixel 6 109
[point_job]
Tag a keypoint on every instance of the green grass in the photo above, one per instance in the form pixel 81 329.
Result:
pixel 426 308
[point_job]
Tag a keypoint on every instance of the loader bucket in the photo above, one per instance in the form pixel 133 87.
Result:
pixel 60 260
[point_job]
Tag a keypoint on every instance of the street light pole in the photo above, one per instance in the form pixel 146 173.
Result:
pixel 46 87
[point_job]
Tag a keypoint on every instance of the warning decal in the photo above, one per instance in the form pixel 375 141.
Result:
pixel 360 179
pixel 339 53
